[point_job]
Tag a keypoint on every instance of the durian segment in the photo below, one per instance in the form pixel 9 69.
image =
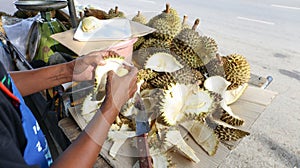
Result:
pixel 203 135
pixel 162 62
pixel 173 137
pixel 90 23
pixel 118 138
pixel 167 25
pixel 233 95
pixel 237 70
pixel 140 18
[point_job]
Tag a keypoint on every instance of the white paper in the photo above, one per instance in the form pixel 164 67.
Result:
pixel 113 29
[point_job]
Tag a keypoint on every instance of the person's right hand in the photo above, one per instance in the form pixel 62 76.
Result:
pixel 119 90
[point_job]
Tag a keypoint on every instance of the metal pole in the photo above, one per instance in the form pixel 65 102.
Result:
pixel 72 12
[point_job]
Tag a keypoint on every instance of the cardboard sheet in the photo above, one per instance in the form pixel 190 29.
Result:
pixel 249 107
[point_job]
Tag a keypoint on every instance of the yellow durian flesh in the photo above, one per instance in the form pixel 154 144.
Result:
pixel 90 23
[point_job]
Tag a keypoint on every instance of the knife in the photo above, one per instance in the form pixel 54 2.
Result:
pixel 142 129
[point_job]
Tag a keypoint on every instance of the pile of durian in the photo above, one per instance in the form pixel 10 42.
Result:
pixel 184 84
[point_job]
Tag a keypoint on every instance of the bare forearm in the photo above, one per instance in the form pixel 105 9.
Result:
pixel 32 81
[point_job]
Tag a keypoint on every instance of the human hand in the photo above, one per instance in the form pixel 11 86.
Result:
pixel 83 68
pixel 119 90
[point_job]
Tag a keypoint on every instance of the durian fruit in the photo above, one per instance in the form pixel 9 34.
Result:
pixel 185 45
pixel 167 24
pixel 99 14
pixel 237 70
pixel 112 13
pixel 208 49
pixel 203 135
pixel 90 23
pixel 140 18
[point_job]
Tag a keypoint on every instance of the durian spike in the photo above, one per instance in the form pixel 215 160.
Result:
pixel 185 17
pixel 167 8
pixel 197 22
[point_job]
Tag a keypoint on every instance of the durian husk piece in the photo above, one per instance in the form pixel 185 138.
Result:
pixel 161 60
pixel 231 96
pixel 181 76
pixel 203 135
pixel 237 70
pixel 173 137
pixel 140 18
pixel 225 132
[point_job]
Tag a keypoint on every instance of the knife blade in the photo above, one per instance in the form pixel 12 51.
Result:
pixel 142 129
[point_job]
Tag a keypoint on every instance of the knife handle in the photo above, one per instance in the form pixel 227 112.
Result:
pixel 143 151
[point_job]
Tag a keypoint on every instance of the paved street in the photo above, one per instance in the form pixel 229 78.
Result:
pixel 268 34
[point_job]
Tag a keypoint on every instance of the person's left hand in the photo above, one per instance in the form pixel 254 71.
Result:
pixel 84 66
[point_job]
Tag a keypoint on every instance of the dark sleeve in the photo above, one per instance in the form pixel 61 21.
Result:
pixel 10 154
pixel 12 137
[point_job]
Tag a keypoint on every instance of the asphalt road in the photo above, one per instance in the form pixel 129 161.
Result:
pixel 268 34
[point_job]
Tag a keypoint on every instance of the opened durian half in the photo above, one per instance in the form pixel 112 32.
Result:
pixel 93 101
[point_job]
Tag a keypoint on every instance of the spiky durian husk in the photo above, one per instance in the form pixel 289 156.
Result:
pixel 231 120
pixel 146 74
pixel 138 43
pixel 237 70
pixel 224 131
pixel 156 43
pixel 140 18
pixel 181 76
pixel 184 45
pixel 207 49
